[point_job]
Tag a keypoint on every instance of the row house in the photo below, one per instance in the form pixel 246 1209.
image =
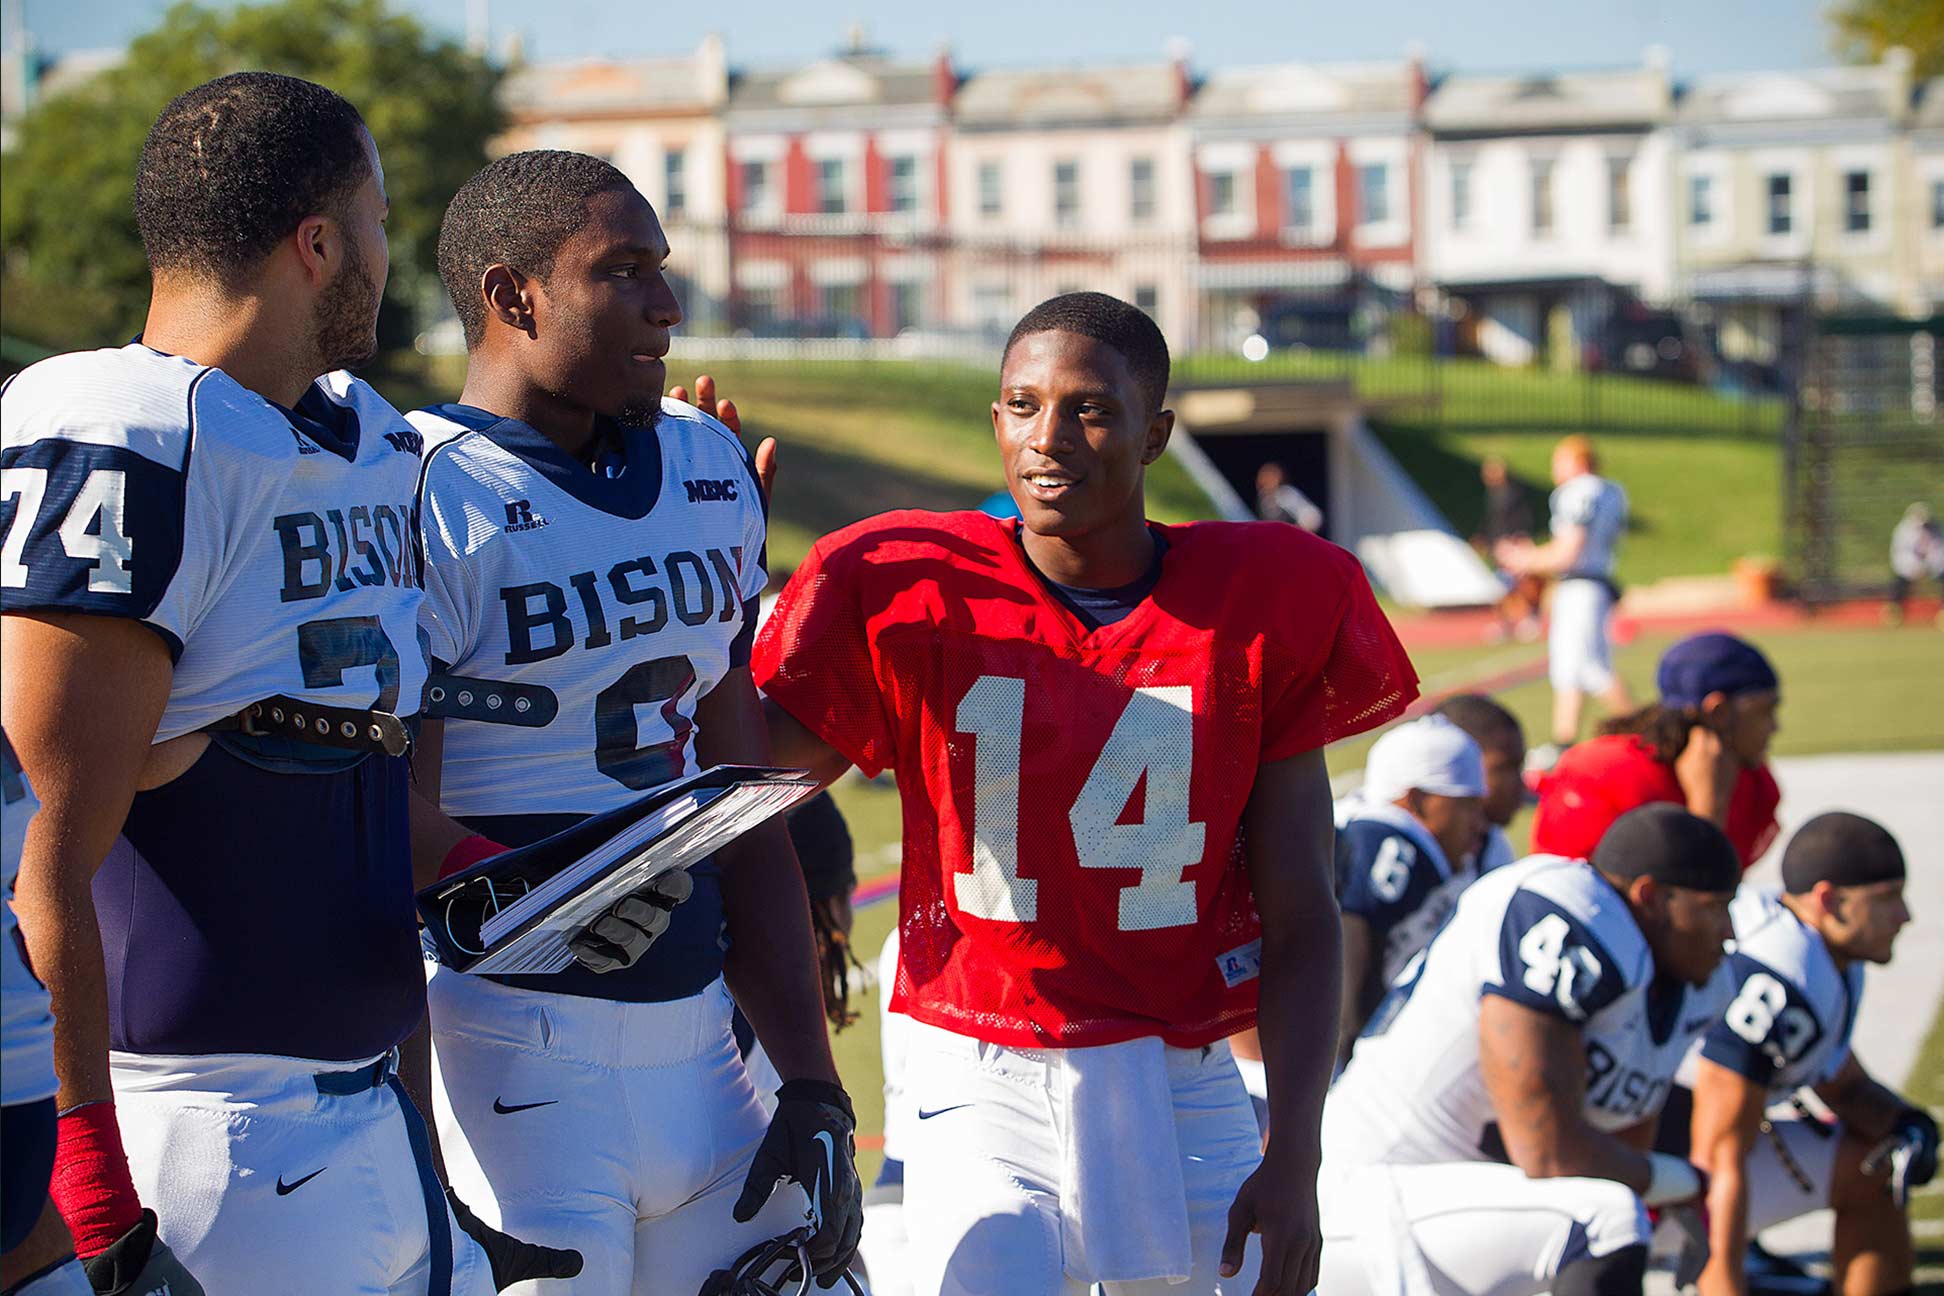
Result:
pixel 1794 189
pixel 1307 192
pixel 837 188
pixel 1072 178
pixel 660 120
pixel 1927 173
pixel 1547 203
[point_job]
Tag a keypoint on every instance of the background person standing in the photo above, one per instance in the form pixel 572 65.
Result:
pixel 1588 515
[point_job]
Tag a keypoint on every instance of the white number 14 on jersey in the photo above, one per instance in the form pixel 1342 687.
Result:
pixel 1154 736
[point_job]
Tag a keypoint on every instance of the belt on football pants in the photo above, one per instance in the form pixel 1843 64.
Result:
pixel 383 1074
pixel 360 730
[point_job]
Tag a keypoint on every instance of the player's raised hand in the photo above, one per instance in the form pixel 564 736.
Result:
pixel 725 411
pixel 1279 1202
pixel 766 467
pixel 512 1260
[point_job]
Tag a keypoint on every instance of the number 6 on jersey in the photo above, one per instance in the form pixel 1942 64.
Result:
pixel 1152 739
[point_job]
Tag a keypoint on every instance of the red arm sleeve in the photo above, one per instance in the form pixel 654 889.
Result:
pixel 814 658
pixel 1356 679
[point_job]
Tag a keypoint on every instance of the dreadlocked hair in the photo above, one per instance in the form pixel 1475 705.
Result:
pixel 835 959
pixel 1662 729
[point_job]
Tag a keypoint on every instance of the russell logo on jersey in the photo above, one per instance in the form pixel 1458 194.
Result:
pixel 521 517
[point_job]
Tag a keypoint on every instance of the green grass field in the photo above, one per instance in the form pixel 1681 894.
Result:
pixel 1844 690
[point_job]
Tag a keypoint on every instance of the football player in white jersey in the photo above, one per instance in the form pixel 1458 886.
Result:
pixel 211 638
pixel 1501 740
pixel 36 1252
pixel 595 551
pixel 1489 1134
pixel 1798 966
pixel 1407 844
pixel 1589 515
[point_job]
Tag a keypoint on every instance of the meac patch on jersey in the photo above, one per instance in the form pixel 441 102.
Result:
pixel 1790 1021
pixel 1392 874
pixel 1550 934
pixel 270 549
pixel 611 600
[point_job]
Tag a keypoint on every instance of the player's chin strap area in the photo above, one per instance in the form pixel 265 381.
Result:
pixel 346 728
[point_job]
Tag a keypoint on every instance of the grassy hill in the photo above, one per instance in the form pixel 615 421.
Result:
pixel 859 437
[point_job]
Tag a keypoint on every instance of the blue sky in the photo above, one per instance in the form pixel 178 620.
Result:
pixel 1481 35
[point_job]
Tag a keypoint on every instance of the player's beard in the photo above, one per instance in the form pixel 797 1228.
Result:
pixel 347 315
pixel 640 413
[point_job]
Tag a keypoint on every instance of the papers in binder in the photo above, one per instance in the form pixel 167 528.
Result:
pixel 514 913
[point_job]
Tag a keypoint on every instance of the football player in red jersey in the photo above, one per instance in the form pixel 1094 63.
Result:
pixel 1107 735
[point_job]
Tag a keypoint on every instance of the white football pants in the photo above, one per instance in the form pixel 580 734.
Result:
pixel 988 1203
pixel 1464 1228
pixel 621 1129
pixel 262 1183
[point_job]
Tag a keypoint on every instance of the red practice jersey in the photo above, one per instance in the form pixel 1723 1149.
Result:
pixel 1597 781
pixel 1072 799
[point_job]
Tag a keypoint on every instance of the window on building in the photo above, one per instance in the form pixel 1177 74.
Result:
pixel 758 194
pixel 1461 195
pixel 1221 193
pixel 1937 204
pixel 989 190
pixel 758 306
pixel 1856 202
pixel 1066 193
pixel 904 184
pixel 1781 204
pixel 1373 193
pixel 839 302
pixel 1299 198
pixel 1147 297
pixel 907 305
pixel 1701 201
pixel 830 186
pixel 1542 198
pixel 674 183
pixel 1140 190
pixel 1619 194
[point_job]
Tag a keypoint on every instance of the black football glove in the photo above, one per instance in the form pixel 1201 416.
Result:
pixel 138 1263
pixel 513 1260
pixel 619 937
pixel 809 1141
pixel 1909 1152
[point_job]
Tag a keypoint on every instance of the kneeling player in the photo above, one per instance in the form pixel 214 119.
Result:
pixel 1406 847
pixel 1798 962
pixel 594 552
pixel 1487 1135
pixel 1107 736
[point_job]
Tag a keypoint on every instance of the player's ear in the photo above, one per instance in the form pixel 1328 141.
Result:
pixel 1645 894
pixel 508 297
pixel 319 242
pixel 1159 429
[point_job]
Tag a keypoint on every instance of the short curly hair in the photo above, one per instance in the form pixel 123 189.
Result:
pixel 232 167
pixel 516 211
pixel 1124 327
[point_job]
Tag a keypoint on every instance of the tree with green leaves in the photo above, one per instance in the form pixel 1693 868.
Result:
pixel 74 274
pixel 1863 29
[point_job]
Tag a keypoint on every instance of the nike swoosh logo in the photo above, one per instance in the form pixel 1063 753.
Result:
pixel 940 1111
pixel 285 1189
pixel 504 1110
pixel 829 1175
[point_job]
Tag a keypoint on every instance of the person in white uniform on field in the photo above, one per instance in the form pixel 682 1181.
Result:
pixel 1490 1134
pixel 1589 515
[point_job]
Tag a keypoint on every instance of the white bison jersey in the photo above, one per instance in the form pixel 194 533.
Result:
pixel 1789 1023
pixel 591 608
pixel 26 1019
pixel 1599 507
pixel 269 548
pixel 1549 933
